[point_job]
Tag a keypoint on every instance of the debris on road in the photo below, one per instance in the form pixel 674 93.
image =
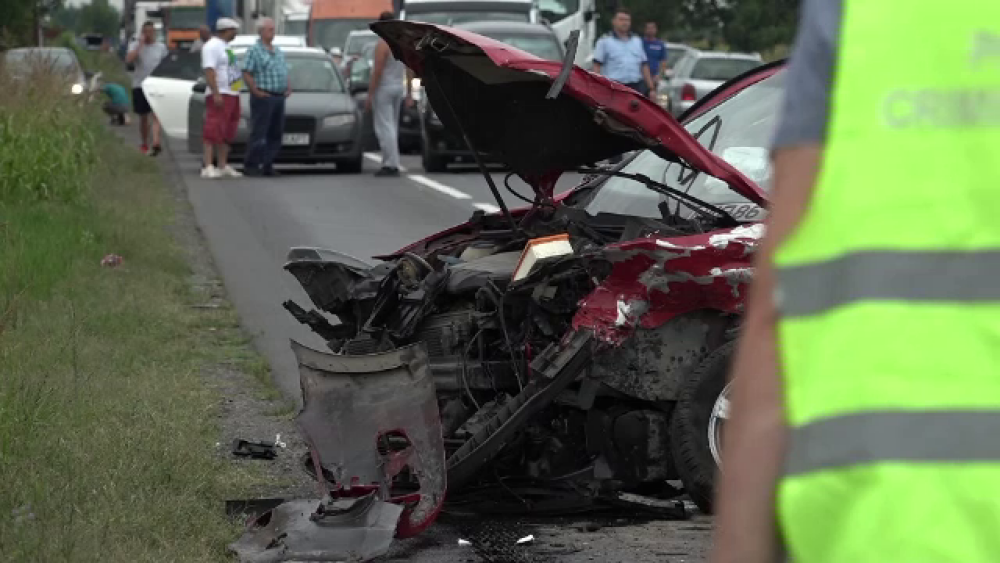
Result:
pixel 332 529
pixel 255 450
pixel 111 261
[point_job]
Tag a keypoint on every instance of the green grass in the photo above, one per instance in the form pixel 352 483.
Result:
pixel 107 429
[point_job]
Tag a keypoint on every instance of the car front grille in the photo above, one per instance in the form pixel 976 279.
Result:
pixel 295 124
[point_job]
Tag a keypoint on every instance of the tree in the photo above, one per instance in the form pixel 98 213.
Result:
pixel 98 17
pixel 754 25
pixel 20 19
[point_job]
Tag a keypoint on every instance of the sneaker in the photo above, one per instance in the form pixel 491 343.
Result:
pixel 155 150
pixel 230 172
pixel 386 171
pixel 210 172
pixel 144 149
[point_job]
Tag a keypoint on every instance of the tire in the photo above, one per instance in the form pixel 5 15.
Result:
pixel 352 166
pixel 689 440
pixel 432 162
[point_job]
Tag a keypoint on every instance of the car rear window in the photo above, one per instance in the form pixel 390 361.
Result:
pixel 55 60
pixel 543 47
pixel 721 69
pixel 179 65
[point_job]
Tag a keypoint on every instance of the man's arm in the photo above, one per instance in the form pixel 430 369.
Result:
pixel 378 66
pixel 132 55
pixel 649 79
pixel 756 434
pixel 249 67
pixel 599 53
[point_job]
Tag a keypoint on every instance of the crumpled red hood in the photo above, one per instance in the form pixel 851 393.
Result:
pixel 496 94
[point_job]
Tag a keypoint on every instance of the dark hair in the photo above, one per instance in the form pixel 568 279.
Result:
pixel 386 16
pixel 148 23
pixel 651 22
pixel 625 11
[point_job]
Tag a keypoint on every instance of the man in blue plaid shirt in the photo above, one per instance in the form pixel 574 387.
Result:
pixel 266 75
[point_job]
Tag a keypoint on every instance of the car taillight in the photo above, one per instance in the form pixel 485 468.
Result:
pixel 688 94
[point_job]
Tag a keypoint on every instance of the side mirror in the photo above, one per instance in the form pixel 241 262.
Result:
pixel 588 16
pixel 199 88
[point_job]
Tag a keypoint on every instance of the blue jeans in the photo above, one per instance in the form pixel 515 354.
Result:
pixel 267 123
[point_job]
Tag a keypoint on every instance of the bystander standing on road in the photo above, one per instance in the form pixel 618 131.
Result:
pixel 387 90
pixel 222 107
pixel 145 54
pixel 116 105
pixel 620 56
pixel 866 400
pixel 656 52
pixel 204 34
pixel 266 74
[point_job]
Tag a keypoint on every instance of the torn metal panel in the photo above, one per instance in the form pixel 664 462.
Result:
pixel 368 418
pixel 346 529
pixel 655 279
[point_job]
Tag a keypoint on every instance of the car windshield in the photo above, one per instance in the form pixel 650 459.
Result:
pixel 739 130
pixel 455 17
pixel 356 43
pixel 556 10
pixel 333 33
pixel 296 27
pixel 56 60
pixel 186 18
pixel 721 69
pixel 542 46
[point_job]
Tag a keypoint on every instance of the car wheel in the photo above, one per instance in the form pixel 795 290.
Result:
pixel 696 425
pixel 352 166
pixel 432 162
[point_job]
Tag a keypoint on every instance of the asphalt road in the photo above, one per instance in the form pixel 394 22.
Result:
pixel 250 224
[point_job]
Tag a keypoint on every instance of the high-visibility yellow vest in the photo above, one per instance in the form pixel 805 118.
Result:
pixel 889 293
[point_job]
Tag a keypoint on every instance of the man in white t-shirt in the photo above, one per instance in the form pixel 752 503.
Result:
pixel 222 102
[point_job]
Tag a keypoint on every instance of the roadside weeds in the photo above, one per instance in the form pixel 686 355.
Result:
pixel 111 378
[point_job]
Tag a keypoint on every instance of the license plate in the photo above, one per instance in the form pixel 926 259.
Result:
pixel 295 139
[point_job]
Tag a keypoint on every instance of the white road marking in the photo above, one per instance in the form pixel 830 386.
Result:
pixel 376 157
pixel 489 208
pixel 434 185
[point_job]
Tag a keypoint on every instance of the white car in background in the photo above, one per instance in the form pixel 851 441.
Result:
pixel 168 88
pixel 699 72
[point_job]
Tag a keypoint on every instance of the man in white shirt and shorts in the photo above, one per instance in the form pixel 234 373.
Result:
pixel 222 103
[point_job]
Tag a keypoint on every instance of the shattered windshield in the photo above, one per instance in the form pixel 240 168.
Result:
pixel 739 130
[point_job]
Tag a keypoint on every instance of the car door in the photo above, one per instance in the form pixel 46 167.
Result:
pixel 168 90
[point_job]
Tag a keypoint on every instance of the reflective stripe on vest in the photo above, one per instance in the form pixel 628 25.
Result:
pixel 889 293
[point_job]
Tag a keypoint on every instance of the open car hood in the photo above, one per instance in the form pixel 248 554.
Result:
pixel 498 96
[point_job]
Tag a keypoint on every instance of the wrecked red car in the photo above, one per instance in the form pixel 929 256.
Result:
pixel 560 357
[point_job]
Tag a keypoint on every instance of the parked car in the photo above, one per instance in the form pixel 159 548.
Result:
pixel 443 145
pixel 357 41
pixel 246 41
pixel 358 69
pixel 322 122
pixel 699 72
pixel 675 52
pixel 524 382
pixel 22 63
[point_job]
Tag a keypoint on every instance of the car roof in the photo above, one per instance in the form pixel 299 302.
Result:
pixel 412 2
pixel 360 32
pixel 292 50
pixel 279 40
pixel 506 26
pixel 43 50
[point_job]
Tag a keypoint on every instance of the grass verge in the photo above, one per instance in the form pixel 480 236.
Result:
pixel 107 429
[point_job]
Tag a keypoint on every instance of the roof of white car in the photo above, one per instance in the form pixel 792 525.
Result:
pixel 282 41
pixel 360 33
pixel 293 50
pixel 411 2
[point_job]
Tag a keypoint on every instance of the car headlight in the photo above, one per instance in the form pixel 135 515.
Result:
pixel 663 99
pixel 76 88
pixel 338 120
pixel 415 89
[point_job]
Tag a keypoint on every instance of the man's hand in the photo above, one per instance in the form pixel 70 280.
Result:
pixel 258 93
pixel 410 102
pixel 217 98
pixel 288 91
pixel 652 91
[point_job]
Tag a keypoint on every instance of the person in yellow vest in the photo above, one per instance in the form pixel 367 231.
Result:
pixel 865 420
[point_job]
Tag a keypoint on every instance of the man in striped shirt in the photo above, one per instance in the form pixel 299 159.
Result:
pixel 266 75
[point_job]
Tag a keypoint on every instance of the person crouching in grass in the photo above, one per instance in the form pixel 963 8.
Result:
pixel 117 104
